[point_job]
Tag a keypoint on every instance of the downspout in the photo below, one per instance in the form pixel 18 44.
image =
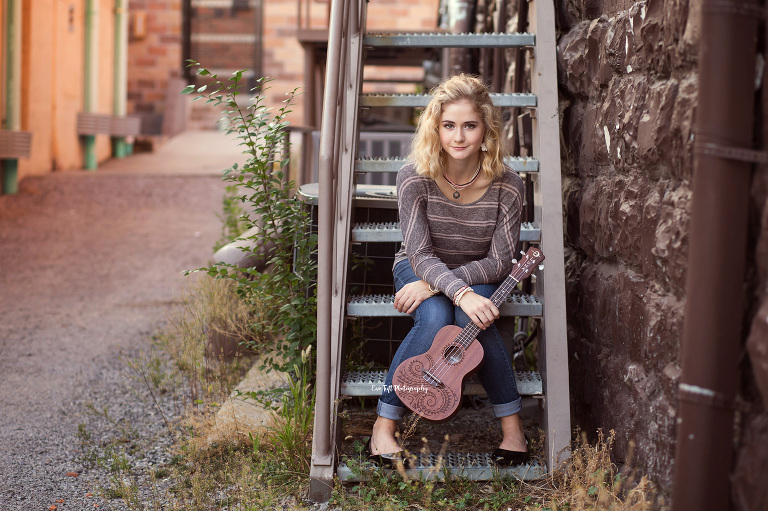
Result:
pixel 12 120
pixel 91 79
pixel 461 19
pixel 120 147
pixel 711 346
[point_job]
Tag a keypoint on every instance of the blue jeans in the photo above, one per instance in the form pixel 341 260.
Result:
pixel 496 373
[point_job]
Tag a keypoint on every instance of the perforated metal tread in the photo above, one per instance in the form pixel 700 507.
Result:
pixel 390 232
pixel 371 383
pixel 368 164
pixel 384 306
pixel 473 466
pixel 417 100
pixel 426 40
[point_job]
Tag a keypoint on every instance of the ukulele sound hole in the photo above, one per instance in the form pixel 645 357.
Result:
pixel 452 354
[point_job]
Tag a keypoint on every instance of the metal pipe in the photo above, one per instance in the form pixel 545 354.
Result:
pixel 322 455
pixel 120 82
pixel 91 79
pixel 258 47
pixel 12 120
pixel 186 39
pixel 461 21
pixel 716 256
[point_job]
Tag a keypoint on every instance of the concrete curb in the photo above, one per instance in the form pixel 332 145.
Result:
pixel 241 416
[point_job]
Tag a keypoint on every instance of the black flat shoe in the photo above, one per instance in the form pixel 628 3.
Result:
pixel 388 460
pixel 505 458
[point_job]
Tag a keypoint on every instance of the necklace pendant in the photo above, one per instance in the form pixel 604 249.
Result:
pixel 456 195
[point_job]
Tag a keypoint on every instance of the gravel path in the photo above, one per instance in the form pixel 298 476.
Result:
pixel 91 263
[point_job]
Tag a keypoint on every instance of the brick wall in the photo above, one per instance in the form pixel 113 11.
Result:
pixel 154 58
pixel 224 38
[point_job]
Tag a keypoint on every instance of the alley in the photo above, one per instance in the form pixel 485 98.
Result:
pixel 91 263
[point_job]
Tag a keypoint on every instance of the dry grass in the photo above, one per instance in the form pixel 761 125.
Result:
pixel 206 338
pixel 270 469
pixel 587 481
pixel 590 481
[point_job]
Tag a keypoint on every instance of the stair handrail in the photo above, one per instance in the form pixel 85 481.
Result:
pixel 322 454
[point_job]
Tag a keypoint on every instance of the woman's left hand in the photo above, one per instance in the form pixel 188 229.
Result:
pixel 411 295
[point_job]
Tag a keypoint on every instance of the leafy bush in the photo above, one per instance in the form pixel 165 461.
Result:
pixel 279 285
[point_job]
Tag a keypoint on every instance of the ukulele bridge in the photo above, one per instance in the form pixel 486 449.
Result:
pixel 432 379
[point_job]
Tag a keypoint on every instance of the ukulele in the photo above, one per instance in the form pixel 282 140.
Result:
pixel 431 384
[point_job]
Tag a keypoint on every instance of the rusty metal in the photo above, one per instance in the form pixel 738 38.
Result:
pixel 711 348
pixel 731 153
pixel 461 16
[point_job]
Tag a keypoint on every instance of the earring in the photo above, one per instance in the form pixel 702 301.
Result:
pixel 484 147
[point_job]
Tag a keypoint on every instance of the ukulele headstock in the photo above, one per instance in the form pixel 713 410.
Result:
pixel 527 263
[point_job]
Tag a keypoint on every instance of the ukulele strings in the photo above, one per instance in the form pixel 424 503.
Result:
pixel 470 332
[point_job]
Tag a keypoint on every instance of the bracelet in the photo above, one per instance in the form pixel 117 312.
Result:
pixel 433 290
pixel 460 293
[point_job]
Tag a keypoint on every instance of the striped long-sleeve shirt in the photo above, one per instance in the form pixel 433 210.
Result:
pixel 451 245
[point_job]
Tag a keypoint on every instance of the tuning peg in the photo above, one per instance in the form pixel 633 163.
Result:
pixel 522 253
pixel 541 267
pixel 514 261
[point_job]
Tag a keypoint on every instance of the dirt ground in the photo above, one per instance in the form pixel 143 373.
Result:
pixel 91 263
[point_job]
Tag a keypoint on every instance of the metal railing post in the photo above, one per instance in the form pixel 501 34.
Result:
pixel 321 472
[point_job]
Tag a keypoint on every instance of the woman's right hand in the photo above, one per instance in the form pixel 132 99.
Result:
pixel 480 309
pixel 411 295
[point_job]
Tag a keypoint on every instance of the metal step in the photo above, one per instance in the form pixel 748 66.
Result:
pixel 371 383
pixel 418 100
pixel 517 163
pixel 390 232
pixel 369 196
pixel 473 466
pixel 384 306
pixel 493 40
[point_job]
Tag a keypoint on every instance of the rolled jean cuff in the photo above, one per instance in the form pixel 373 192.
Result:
pixel 506 409
pixel 391 412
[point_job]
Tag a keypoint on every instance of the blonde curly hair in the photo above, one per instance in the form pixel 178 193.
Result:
pixel 427 153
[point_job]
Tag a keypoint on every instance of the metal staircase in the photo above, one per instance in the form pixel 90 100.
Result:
pixel 337 197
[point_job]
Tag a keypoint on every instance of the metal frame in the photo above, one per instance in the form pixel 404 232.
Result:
pixel 338 147
pixel 548 193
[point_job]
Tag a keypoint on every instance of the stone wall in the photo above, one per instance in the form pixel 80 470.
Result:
pixel 628 83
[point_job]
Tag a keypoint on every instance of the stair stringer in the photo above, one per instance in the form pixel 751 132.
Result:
pixel 340 189
pixel 553 355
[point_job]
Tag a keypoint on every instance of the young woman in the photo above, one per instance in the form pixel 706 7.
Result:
pixel 460 212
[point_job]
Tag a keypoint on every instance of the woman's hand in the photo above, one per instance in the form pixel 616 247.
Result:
pixel 480 309
pixel 411 295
